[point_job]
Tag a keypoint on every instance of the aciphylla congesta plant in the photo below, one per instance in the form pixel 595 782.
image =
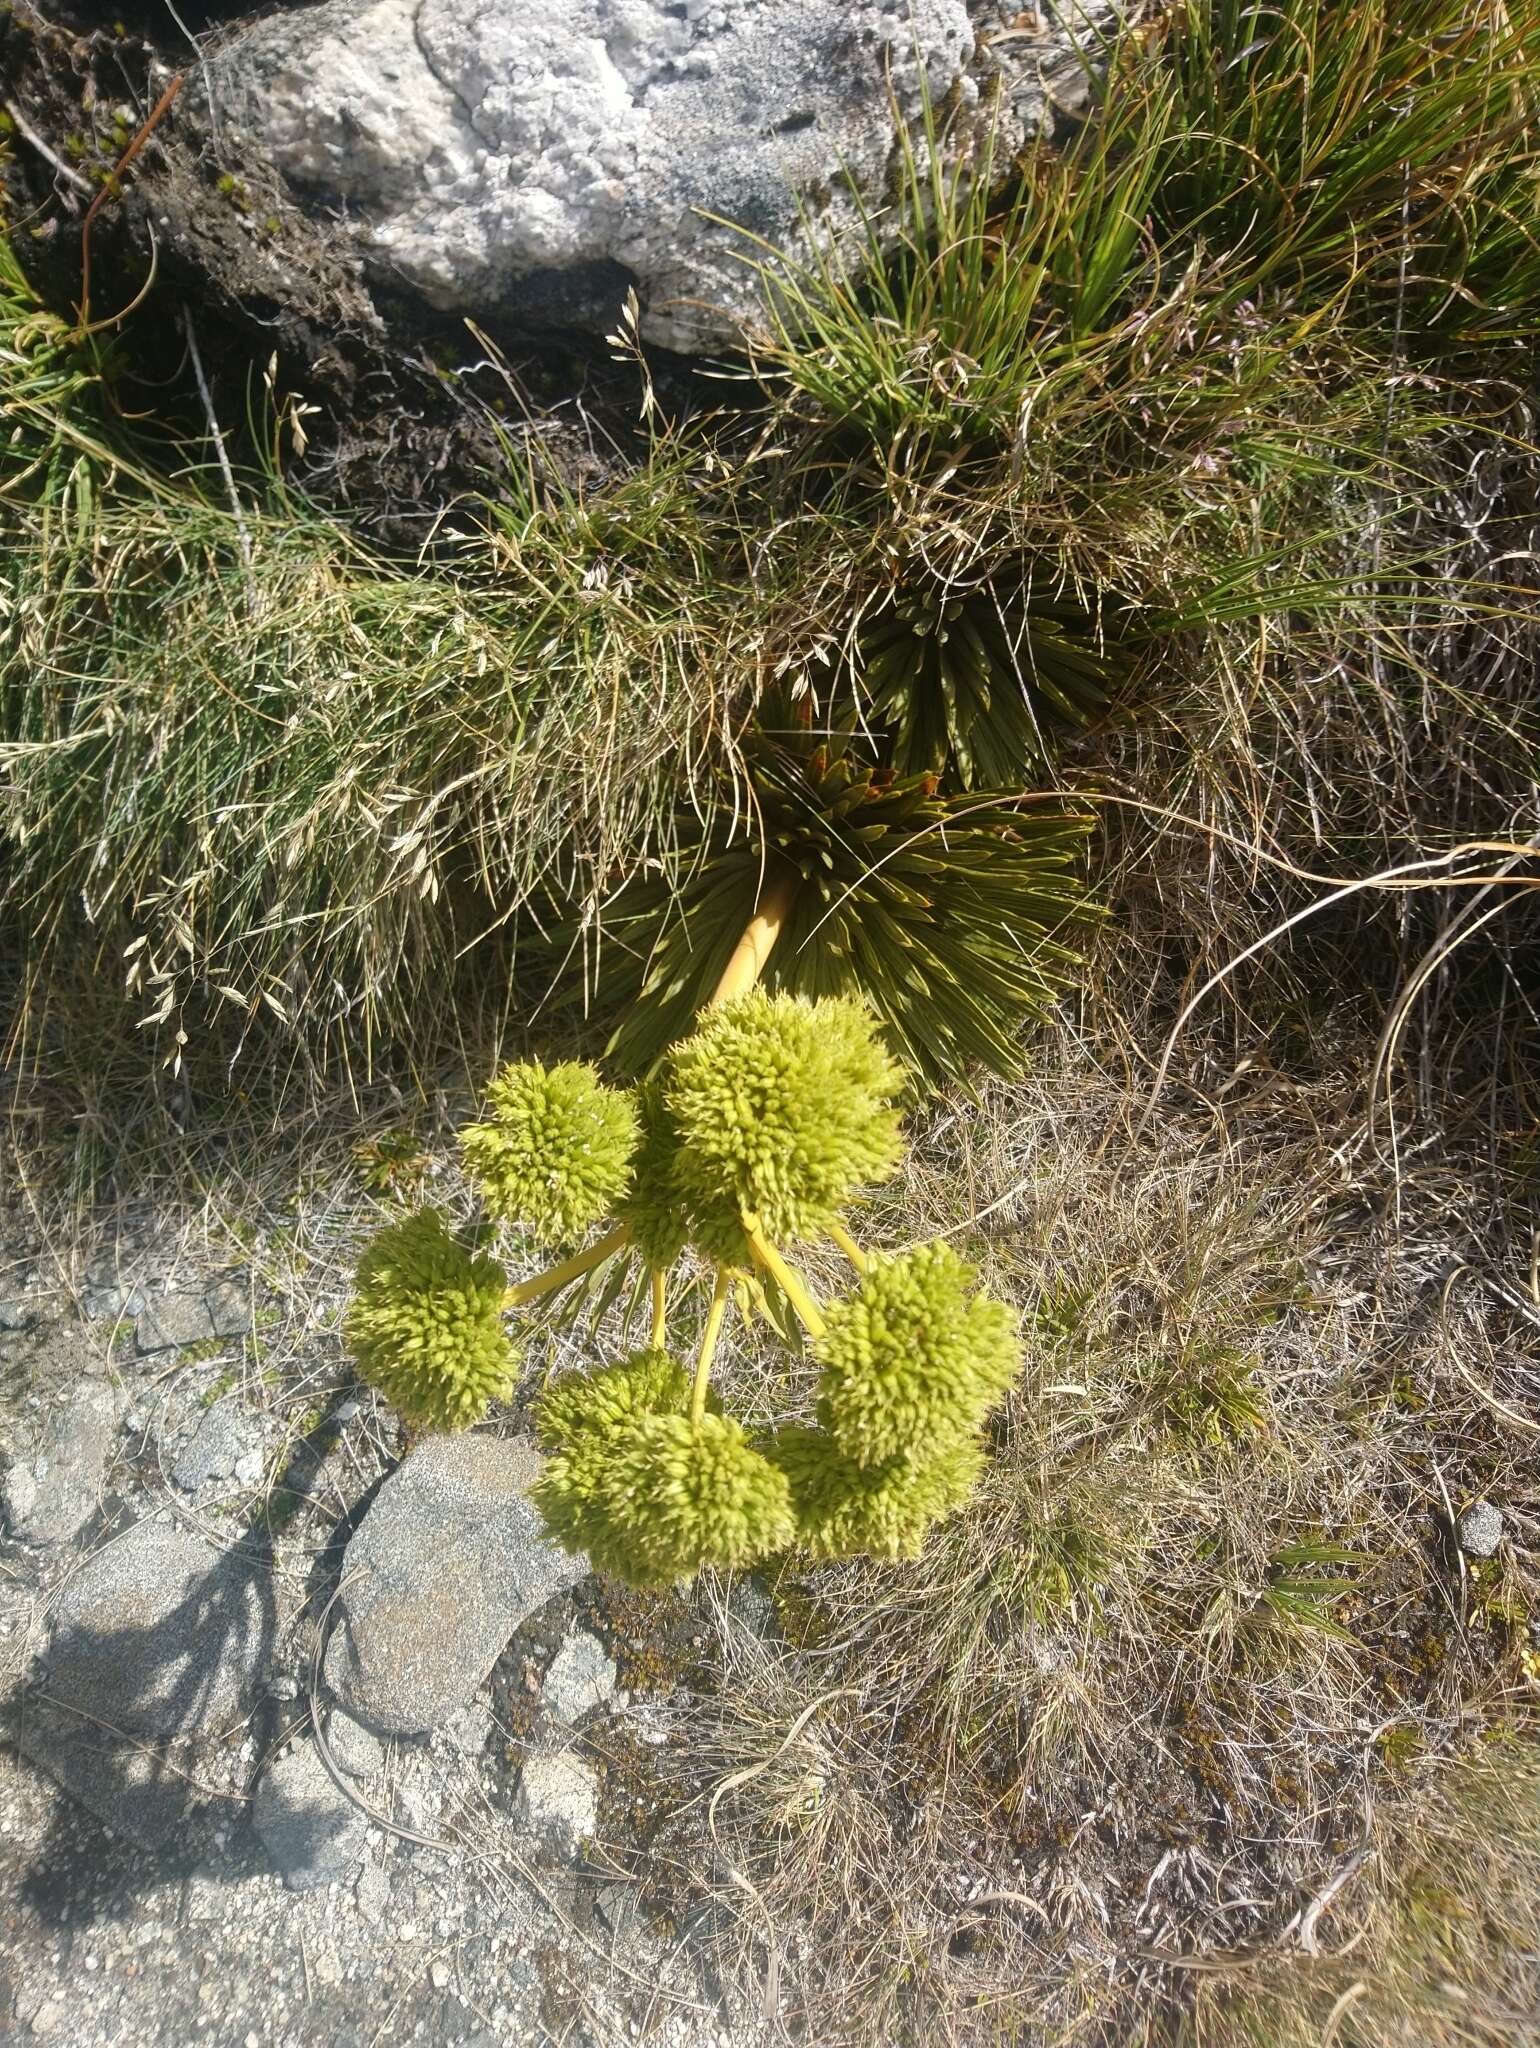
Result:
pixel 750 1137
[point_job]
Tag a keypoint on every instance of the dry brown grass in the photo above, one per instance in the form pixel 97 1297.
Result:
pixel 1144 1701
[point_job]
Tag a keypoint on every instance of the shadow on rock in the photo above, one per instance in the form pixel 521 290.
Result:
pixel 141 1709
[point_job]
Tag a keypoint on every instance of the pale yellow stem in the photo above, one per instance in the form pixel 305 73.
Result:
pixel 569 1269
pixel 659 1310
pixel 753 949
pixel 708 1346
pixel 791 1284
pixel 849 1247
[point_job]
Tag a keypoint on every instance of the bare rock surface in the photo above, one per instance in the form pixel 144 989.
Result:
pixel 448 1561
pixel 536 158
pixel 50 1493
pixel 309 1827
pixel 559 1797
pixel 224 1441
pixel 581 1677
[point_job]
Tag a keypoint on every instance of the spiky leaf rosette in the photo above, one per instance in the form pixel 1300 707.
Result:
pixel 425 1324
pixel 782 1107
pixel 913 1358
pixel 580 1421
pixel 554 1153
pixel 652 1208
pixel 952 916
pixel 974 686
pixel 849 1510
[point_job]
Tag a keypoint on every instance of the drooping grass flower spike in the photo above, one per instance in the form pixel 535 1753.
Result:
pixel 782 1108
pixel 846 1510
pixel 553 1154
pixel 425 1325
pixel 913 1358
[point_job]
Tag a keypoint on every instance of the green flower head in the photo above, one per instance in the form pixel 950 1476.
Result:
pixel 650 1496
pixel 581 1421
pixel 912 1360
pixel 682 1495
pixel 554 1153
pixel 425 1324
pixel 653 1208
pixel 847 1510
pixel 782 1107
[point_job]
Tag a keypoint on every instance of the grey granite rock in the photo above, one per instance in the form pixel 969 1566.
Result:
pixel 309 1827
pixel 446 1564
pixel 158 1634
pixel 537 157
pixel 229 1307
pixel 225 1438
pixel 581 1677
pixel 156 1641
pixel 353 1748
pixel 1480 1530
pixel 173 1322
pixel 50 1494
pixel 558 1798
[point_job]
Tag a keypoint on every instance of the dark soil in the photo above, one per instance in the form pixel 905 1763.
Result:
pixel 413 407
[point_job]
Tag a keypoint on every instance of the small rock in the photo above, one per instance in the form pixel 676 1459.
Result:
pixel 173 1323
pixel 248 1470
pixel 225 1437
pixel 49 2019
pixel 373 1893
pixel 559 1798
pixel 353 1748
pixel 114 1304
pixel 229 1307
pixel 17 1314
pixel 582 1677
pixel 52 1498
pixel 439 1976
pixel 312 1831
pixel 447 1563
pixel 1480 1530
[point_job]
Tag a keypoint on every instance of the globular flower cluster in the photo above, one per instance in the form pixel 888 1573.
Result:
pixel 844 1509
pixel 782 1107
pixel 650 1494
pixel 554 1152
pixel 913 1357
pixel 752 1135
pixel 425 1325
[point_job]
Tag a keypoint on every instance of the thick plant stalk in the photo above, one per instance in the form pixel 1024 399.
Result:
pixel 708 1345
pixel 791 1285
pixel 847 1244
pixel 659 1310
pixel 569 1269
pixel 753 949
